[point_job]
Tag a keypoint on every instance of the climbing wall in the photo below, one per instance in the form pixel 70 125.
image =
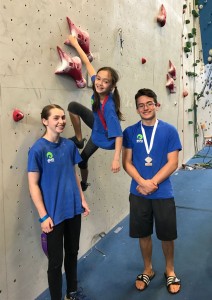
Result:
pixel 121 36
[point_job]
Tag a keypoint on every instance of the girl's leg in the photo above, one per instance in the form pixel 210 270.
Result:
pixel 77 112
pixel 55 260
pixel 71 246
pixel 89 149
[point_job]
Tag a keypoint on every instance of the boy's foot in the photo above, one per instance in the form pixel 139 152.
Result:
pixel 84 185
pixel 79 144
pixel 77 296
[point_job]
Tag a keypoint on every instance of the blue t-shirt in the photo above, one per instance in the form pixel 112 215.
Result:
pixel 101 137
pixel 55 163
pixel 166 140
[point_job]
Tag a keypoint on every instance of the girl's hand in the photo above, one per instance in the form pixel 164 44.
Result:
pixel 73 40
pixel 47 225
pixel 115 168
pixel 86 208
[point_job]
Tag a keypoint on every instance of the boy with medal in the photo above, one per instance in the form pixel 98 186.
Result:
pixel 150 156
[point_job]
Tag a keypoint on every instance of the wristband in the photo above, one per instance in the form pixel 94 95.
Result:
pixel 41 220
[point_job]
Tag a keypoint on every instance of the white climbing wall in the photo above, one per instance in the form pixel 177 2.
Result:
pixel 30 31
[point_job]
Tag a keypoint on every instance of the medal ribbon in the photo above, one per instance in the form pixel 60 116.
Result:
pixel 149 148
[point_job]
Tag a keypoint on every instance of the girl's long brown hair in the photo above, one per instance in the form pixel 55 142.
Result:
pixel 116 96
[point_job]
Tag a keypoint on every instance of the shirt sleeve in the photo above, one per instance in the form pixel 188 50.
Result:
pixel 127 142
pixel 34 161
pixel 112 122
pixel 174 140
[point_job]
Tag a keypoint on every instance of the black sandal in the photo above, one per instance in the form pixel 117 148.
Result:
pixel 172 280
pixel 146 279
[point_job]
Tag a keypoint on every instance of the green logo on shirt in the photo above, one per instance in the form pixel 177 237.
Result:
pixel 50 157
pixel 139 138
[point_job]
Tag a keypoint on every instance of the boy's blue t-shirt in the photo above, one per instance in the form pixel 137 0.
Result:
pixel 102 138
pixel 55 163
pixel 166 140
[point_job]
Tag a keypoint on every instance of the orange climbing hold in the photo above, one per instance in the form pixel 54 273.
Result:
pixel 185 93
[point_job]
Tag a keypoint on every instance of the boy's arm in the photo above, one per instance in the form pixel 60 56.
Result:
pixel 145 186
pixel 83 56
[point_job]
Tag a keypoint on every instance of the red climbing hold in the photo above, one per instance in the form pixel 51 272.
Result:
pixel 170 84
pixel 71 66
pixel 143 60
pixel 172 70
pixel 17 115
pixel 82 37
pixel 161 18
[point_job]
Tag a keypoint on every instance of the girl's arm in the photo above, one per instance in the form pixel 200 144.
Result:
pixel 35 192
pixel 84 203
pixel 117 153
pixel 83 56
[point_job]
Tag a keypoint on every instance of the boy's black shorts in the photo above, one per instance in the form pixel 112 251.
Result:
pixel 144 212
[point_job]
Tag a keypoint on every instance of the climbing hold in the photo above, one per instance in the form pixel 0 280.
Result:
pixel 143 60
pixel 185 93
pixel 17 115
pixel 172 70
pixel 71 66
pixel 82 37
pixel 161 18
pixel 170 84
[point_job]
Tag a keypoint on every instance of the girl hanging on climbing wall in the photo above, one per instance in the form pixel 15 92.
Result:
pixel 104 119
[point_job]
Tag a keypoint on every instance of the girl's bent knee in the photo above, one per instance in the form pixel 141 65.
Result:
pixel 72 106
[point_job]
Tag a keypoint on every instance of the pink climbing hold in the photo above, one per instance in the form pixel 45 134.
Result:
pixel 161 18
pixel 17 115
pixel 185 93
pixel 82 37
pixel 172 70
pixel 143 60
pixel 170 84
pixel 71 66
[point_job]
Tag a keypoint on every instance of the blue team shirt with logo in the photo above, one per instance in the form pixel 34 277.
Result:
pixel 55 163
pixel 166 140
pixel 102 138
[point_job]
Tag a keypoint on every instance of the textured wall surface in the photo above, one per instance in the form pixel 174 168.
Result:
pixel 30 31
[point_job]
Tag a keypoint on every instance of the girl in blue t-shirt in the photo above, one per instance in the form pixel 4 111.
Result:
pixel 56 192
pixel 104 119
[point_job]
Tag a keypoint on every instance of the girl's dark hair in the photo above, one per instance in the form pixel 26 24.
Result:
pixel 46 110
pixel 145 92
pixel 116 96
